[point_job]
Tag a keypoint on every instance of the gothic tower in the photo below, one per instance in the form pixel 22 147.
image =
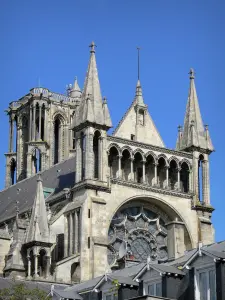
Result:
pixel 39 132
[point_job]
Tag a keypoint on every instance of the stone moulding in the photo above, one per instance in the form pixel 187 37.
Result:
pixel 150 188
pixel 150 147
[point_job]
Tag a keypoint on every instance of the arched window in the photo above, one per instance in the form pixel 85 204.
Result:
pixel 43 122
pixel 36 161
pixel 150 170
pixel 57 133
pixel 96 152
pixel 173 175
pixel 13 171
pixel 83 147
pixel 42 263
pixel 37 122
pixel 125 164
pixel 161 171
pixel 138 168
pixel 200 177
pixel 184 178
pixel 113 162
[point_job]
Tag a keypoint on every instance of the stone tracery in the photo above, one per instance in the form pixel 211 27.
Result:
pixel 143 231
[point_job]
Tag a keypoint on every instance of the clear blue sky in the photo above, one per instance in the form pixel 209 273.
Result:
pixel 49 40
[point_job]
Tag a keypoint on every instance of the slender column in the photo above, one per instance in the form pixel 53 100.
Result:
pixel 167 177
pixel 190 184
pixel 66 232
pixel 70 235
pixel 100 143
pixel 178 178
pixel 119 165
pixel 10 134
pixel 143 166
pixel 47 266
pixel 35 265
pixel 205 182
pixel 76 233
pixel 39 133
pixel 45 124
pixel 132 169
pixel 28 267
pixel 30 124
pixel 156 181
pixel 34 123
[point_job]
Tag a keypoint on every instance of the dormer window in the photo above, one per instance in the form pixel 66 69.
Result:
pixel 206 284
pixel 132 137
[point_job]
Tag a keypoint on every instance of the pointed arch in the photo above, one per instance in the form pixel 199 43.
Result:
pixel 13 171
pixel 58 137
pixel 152 154
pixel 164 157
pixel 116 146
pixel 126 148
pixel 138 150
pixel 175 159
pixel 36 160
pixel 97 154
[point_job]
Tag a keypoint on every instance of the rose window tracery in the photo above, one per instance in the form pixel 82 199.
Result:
pixel 142 231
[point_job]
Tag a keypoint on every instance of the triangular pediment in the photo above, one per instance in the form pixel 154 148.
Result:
pixel 143 133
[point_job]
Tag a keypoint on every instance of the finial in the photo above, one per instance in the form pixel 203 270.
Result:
pixel 39 178
pixel 192 73
pixel 180 128
pixel 92 46
pixel 138 49
pixel 206 127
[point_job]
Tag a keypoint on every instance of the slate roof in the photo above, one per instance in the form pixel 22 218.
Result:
pixel 58 291
pixel 58 177
pixel 45 286
pixel 84 286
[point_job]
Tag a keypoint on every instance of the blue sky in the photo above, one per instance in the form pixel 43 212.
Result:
pixel 47 41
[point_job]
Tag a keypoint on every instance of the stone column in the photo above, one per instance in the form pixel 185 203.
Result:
pixel 132 169
pixel 190 187
pixel 178 178
pixel 45 124
pixel 30 124
pixel 36 265
pixel 71 235
pixel 167 176
pixel 48 263
pixel 78 160
pixel 10 134
pixel 76 233
pixel 119 165
pixel 100 143
pixel 34 123
pixel 39 133
pixel 143 166
pixel 175 239
pixel 205 182
pixel 156 180
pixel 66 231
pixel 28 267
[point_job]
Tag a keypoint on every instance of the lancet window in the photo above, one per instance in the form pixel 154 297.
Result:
pixel 200 177
pixel 36 161
pixel 97 153
pixel 13 171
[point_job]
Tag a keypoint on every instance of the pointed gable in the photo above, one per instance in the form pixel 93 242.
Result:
pixel 194 133
pixel 133 127
pixel 38 227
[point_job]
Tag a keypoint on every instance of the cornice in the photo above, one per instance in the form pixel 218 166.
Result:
pixel 149 147
pixel 150 188
pixel 92 185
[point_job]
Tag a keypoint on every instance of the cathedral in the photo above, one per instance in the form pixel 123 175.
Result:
pixel 77 201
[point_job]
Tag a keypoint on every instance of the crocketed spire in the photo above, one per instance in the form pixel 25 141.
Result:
pixel 38 227
pixel 194 132
pixel 92 109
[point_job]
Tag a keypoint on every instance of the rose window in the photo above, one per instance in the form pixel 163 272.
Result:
pixel 142 231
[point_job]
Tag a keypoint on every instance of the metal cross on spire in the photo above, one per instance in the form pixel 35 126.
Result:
pixel 138 49
pixel 192 73
pixel 92 46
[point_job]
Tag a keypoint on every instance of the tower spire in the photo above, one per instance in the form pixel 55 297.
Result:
pixel 194 133
pixel 138 49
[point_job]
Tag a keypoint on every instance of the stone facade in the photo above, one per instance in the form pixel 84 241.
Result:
pixel 129 196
